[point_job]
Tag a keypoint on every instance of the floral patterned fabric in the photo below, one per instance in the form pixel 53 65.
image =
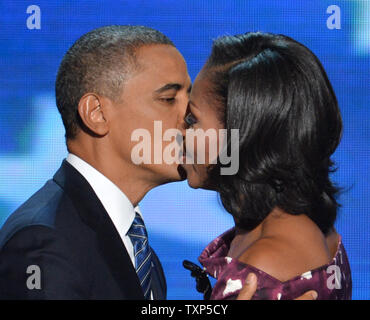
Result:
pixel 331 281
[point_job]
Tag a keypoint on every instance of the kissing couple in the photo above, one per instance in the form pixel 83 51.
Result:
pixel 82 235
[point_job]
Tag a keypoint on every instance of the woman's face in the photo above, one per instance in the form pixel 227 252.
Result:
pixel 201 119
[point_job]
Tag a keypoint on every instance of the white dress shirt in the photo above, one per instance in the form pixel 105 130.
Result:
pixel 118 206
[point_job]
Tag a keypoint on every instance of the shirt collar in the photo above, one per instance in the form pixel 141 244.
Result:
pixel 118 206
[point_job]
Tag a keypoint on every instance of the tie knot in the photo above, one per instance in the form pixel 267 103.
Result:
pixel 137 228
pixel 138 219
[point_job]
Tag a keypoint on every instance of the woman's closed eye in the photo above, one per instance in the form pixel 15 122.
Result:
pixel 190 119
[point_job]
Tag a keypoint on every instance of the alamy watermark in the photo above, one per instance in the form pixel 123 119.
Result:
pixel 333 281
pixel 175 152
pixel 334 20
pixel 34 280
pixel 34 19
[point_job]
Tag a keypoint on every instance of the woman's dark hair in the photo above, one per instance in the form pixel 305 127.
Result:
pixel 276 92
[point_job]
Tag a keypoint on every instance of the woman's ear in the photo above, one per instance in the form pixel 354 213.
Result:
pixel 91 110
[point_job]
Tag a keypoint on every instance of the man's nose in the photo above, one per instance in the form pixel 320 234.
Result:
pixel 183 107
pixel 181 124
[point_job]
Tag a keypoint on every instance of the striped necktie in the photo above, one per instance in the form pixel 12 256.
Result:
pixel 143 254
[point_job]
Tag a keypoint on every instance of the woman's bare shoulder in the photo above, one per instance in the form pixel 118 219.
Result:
pixel 288 254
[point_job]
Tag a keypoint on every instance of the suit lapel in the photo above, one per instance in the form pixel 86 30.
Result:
pixel 159 286
pixel 94 215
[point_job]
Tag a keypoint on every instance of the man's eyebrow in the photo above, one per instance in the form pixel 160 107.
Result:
pixel 169 86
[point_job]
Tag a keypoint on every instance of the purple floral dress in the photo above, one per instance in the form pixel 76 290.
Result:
pixel 331 281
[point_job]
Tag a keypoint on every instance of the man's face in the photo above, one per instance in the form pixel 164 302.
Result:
pixel 157 91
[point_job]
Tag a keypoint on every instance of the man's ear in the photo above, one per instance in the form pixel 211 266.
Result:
pixel 91 110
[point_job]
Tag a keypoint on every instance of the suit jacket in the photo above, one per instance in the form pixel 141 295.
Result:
pixel 65 231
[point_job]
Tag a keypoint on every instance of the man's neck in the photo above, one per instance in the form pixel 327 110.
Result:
pixel 127 177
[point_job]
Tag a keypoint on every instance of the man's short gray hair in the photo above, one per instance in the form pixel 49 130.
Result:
pixel 99 62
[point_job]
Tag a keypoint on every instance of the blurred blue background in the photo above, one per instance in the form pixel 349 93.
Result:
pixel 181 221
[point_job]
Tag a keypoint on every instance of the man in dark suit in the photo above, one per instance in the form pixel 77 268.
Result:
pixel 82 235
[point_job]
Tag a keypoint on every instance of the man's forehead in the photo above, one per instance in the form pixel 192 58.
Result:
pixel 160 68
pixel 161 59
